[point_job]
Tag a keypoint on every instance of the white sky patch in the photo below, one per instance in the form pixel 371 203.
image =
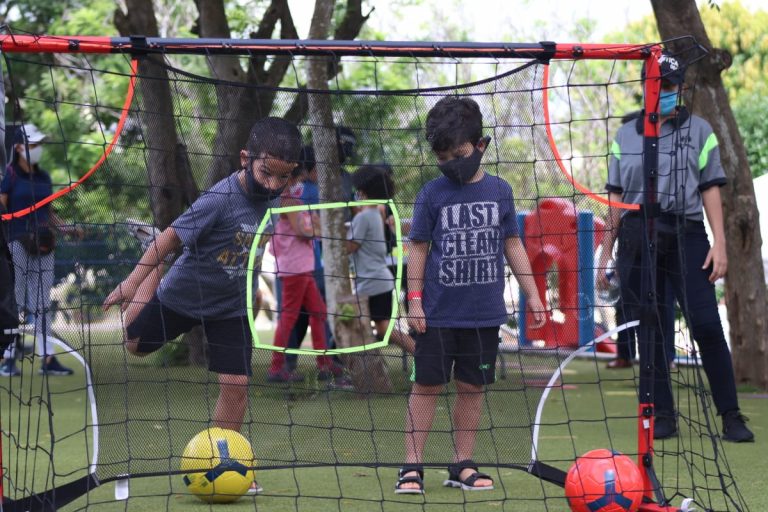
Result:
pixel 497 20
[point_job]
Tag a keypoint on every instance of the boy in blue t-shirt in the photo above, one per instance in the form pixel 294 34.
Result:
pixel 206 285
pixel 464 227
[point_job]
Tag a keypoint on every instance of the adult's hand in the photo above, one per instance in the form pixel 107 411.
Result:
pixel 718 259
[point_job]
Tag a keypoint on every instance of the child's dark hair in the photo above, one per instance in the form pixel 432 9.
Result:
pixel 345 142
pixel 454 121
pixel 375 181
pixel 276 137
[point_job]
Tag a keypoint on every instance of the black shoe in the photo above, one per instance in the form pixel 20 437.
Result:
pixel 665 426
pixel 54 367
pixel 284 376
pixel 619 363
pixel 735 428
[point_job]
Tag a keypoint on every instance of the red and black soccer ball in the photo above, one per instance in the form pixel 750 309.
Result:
pixel 604 481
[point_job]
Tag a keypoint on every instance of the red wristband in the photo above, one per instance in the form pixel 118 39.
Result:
pixel 413 296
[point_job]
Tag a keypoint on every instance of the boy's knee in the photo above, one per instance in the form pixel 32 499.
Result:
pixel 465 387
pixel 233 385
pixel 132 346
pixel 423 389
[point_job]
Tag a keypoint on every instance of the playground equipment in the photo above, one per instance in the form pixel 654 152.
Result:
pixel 557 234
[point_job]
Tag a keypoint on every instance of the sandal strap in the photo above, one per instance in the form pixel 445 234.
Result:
pixel 418 479
pixel 411 469
pixel 409 480
pixel 455 469
pixel 474 477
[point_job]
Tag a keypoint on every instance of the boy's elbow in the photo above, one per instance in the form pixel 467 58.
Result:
pixel 171 238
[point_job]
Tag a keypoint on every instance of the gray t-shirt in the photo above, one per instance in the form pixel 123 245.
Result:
pixel 689 162
pixel 209 279
pixel 372 277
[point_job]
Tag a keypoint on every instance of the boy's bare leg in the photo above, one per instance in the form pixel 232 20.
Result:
pixel 466 416
pixel 232 402
pixel 144 294
pixel 418 423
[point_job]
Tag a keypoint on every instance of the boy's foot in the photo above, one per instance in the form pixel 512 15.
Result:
pixel 54 367
pixel 142 231
pixel 410 480
pixel 255 489
pixel 8 368
pixel 735 428
pixel 284 376
pixel 466 476
pixel 330 372
pixel 343 383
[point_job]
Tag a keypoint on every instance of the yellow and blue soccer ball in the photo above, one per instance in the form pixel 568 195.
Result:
pixel 222 460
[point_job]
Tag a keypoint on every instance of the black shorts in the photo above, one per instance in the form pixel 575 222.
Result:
pixel 470 353
pixel 229 346
pixel 380 306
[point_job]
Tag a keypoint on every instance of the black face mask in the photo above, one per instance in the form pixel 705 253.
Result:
pixel 460 170
pixel 256 190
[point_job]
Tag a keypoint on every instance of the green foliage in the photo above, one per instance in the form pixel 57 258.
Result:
pixel 751 112
pixel 733 27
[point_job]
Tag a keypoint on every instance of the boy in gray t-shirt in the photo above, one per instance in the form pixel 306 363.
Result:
pixel 206 285
pixel 368 249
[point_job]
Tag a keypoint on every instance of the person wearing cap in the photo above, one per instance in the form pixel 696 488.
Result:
pixel 626 338
pixel 31 242
pixel 689 179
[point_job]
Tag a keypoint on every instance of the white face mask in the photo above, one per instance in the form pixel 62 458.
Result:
pixel 34 155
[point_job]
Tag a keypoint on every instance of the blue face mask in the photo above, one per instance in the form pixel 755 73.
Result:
pixel 667 102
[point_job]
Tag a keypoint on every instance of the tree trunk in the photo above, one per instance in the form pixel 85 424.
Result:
pixel 745 290
pixel 167 190
pixel 240 106
pixel 236 108
pixel 353 327
pixel 368 371
pixel 170 193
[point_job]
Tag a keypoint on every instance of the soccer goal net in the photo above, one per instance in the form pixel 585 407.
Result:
pixel 145 137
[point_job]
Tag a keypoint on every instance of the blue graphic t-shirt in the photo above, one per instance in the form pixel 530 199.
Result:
pixel 467 227
pixel 209 279
pixel 25 189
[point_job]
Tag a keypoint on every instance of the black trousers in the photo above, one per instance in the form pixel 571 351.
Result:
pixel 626 339
pixel 682 247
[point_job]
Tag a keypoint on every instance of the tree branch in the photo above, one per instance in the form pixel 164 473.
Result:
pixel 349 28
pixel 257 72
pixel 299 108
pixel 213 23
pixel 280 64
pixel 353 21
pixel 121 22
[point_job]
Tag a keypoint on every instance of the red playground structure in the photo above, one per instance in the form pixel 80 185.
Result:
pixel 557 235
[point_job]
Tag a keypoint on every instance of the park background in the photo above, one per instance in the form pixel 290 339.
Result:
pixel 739 26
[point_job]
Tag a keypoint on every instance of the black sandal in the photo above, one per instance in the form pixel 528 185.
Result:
pixel 402 479
pixel 468 484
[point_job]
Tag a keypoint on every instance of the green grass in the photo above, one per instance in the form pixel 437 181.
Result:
pixel 148 413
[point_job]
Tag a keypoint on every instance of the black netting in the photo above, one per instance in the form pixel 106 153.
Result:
pixel 183 133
